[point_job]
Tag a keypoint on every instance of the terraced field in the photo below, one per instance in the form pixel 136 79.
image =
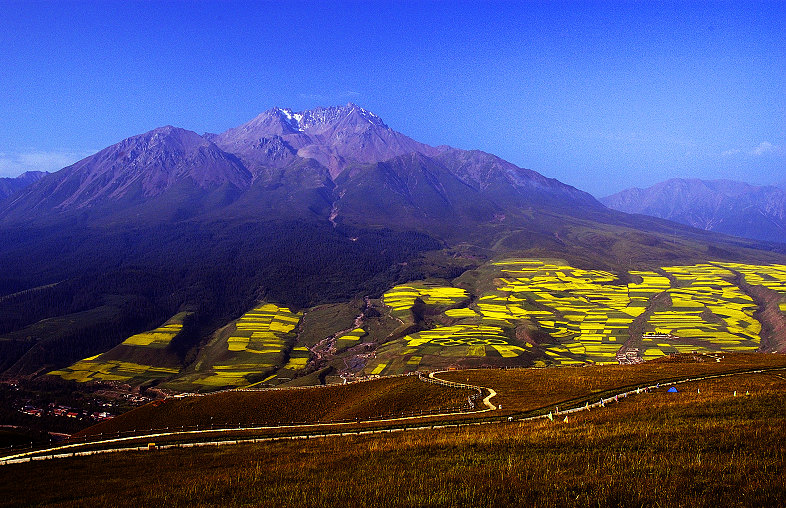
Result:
pixel 586 313
pixel 256 348
pixel 140 358
pixel 402 298
pixel 707 313
pixel 550 313
pixel 443 346
pixel 507 313
pixel 770 276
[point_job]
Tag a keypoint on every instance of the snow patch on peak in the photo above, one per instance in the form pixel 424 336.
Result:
pixel 326 116
pixel 293 119
pixel 368 115
pixel 321 117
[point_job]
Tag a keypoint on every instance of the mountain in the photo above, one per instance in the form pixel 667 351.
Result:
pixel 9 186
pixel 342 164
pixel 297 208
pixel 166 166
pixel 725 206
pixel 451 193
pixel 334 136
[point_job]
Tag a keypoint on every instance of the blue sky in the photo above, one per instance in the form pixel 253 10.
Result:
pixel 600 95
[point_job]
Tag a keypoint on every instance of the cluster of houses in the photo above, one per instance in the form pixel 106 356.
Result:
pixel 65 412
pixel 629 356
pixel 658 335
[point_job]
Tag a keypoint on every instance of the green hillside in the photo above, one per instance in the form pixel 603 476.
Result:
pixel 147 356
pixel 509 312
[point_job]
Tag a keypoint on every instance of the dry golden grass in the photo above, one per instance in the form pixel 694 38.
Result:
pixel 527 389
pixel 700 447
pixel 387 397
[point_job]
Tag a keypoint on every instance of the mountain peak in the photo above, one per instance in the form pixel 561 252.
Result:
pixel 318 119
pixel 333 115
pixel 139 168
pixel 340 158
pixel 168 138
pixel 335 136
pixel 32 176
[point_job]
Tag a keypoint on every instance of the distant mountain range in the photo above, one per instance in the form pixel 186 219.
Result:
pixel 725 206
pixel 10 185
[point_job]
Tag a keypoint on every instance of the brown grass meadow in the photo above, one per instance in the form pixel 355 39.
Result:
pixel 529 389
pixel 702 446
pixel 385 397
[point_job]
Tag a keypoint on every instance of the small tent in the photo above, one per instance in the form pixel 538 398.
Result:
pixel 671 390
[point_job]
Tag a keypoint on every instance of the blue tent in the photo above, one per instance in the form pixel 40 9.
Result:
pixel 671 390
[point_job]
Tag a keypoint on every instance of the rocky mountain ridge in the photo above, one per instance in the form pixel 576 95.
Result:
pixel 725 206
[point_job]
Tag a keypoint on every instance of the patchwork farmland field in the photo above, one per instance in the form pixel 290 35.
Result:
pixel 443 346
pixel 255 348
pixel 507 313
pixel 707 313
pixel 769 276
pixel 547 312
pixel 584 311
pixel 142 357
pixel 402 298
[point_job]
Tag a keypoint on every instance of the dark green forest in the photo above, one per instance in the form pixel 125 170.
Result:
pixel 96 286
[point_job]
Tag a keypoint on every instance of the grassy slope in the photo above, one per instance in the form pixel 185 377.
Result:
pixel 517 390
pixel 383 397
pixel 528 389
pixel 687 449
pixel 323 321
pixel 150 355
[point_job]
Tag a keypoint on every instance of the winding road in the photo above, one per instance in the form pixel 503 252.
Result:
pixel 307 430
